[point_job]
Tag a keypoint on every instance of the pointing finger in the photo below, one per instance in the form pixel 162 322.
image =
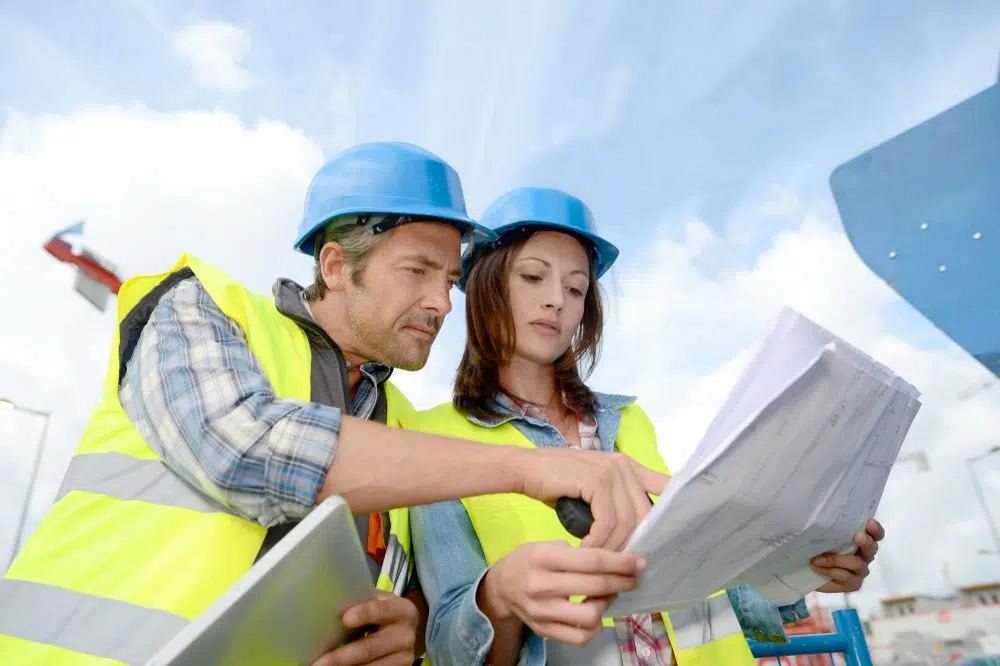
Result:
pixel 652 482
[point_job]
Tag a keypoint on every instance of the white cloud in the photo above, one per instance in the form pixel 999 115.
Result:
pixel 215 52
pixel 151 186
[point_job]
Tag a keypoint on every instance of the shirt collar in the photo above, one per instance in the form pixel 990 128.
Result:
pixel 376 371
pixel 509 409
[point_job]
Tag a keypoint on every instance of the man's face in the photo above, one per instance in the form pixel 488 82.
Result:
pixel 396 312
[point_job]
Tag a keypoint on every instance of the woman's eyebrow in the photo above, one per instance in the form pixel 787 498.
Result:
pixel 548 265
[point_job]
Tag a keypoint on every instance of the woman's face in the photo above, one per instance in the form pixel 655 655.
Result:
pixel 548 280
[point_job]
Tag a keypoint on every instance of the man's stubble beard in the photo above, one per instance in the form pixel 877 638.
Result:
pixel 376 344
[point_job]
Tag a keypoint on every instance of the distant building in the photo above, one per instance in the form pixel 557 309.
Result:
pixel 937 630
pixel 915 629
pixel 985 594
pixel 913 604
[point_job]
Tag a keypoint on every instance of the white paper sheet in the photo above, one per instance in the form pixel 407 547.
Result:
pixel 793 465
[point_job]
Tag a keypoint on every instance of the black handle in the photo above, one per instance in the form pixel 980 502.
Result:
pixel 575 516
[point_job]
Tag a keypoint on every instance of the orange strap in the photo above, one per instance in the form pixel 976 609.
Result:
pixel 376 537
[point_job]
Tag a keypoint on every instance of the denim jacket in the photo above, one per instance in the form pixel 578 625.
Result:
pixel 450 564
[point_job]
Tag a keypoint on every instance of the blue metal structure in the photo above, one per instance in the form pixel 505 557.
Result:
pixel 849 639
pixel 921 210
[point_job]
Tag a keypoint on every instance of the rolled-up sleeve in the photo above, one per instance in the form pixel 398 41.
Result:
pixel 451 565
pixel 761 619
pixel 795 612
pixel 198 395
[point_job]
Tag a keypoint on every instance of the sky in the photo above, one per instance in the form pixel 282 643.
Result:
pixel 702 135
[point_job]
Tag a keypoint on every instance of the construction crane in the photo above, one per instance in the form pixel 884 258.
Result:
pixel 96 277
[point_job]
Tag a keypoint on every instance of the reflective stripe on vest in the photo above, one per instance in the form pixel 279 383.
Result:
pixel 127 633
pixel 132 552
pixel 709 620
pixel 127 478
pixel 706 635
pixel 396 568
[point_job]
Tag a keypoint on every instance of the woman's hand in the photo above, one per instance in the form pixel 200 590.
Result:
pixel 848 572
pixel 533 583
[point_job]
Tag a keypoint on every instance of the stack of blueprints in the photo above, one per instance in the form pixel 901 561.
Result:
pixel 793 465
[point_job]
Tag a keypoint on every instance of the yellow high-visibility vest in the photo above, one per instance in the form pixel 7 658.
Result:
pixel 505 521
pixel 129 552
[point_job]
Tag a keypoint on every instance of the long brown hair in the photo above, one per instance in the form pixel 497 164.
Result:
pixel 491 340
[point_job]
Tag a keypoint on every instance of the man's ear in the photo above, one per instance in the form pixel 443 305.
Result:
pixel 333 266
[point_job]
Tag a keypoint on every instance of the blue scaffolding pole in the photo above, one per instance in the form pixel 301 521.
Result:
pixel 849 639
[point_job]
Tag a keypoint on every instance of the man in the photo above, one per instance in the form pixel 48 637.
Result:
pixel 226 416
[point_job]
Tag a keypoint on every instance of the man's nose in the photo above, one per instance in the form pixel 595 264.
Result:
pixel 438 298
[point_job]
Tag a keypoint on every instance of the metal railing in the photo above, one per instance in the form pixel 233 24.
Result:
pixel 849 639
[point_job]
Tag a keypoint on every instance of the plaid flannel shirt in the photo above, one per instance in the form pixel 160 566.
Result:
pixel 197 394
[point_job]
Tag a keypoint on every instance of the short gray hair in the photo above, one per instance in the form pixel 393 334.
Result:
pixel 358 240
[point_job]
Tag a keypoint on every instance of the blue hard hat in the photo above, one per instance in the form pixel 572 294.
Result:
pixel 529 209
pixel 400 180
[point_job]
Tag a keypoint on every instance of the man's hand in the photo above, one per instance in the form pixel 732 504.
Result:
pixel 391 644
pixel 848 572
pixel 614 485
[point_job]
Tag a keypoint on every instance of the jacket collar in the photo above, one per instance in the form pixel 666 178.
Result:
pixel 290 300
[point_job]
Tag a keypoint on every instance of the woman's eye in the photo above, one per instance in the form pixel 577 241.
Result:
pixel 531 278
pixel 576 292
pixel 416 271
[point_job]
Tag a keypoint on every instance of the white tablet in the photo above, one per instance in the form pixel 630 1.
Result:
pixel 286 609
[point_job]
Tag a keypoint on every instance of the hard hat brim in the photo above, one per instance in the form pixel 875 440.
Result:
pixel 604 254
pixel 423 213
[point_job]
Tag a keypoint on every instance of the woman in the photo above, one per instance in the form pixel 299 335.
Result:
pixel 498 571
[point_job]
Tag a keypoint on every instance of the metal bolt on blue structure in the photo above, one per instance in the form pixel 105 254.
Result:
pixel 849 639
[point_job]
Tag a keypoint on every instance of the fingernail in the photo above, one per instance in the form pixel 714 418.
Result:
pixel 641 564
pixel 822 561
